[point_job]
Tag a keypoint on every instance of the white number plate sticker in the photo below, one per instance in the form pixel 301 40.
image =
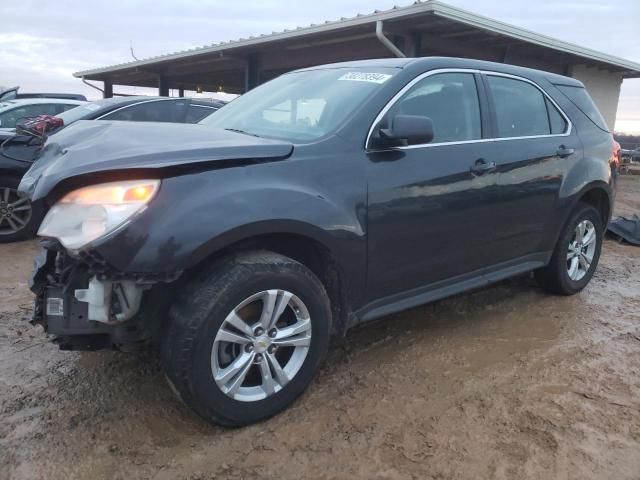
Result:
pixel 365 77
pixel 55 307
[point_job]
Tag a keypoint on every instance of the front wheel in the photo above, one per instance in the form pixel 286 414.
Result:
pixel 18 219
pixel 576 255
pixel 246 337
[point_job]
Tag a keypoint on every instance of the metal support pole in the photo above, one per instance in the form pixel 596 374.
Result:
pixel 163 86
pixel 108 89
pixel 252 71
pixel 181 92
pixel 505 55
pixel 413 44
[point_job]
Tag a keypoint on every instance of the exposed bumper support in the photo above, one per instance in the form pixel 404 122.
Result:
pixel 86 305
pixel 386 42
pixel 103 296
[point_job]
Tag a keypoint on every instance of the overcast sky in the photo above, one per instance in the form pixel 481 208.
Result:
pixel 43 42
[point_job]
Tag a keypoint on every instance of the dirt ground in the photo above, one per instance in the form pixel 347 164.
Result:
pixel 504 383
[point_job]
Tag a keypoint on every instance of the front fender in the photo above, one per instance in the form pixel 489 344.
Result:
pixel 194 216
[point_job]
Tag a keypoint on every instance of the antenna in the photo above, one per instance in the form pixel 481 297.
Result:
pixel 131 49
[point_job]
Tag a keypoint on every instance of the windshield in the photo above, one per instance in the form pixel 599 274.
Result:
pixel 9 93
pixel 301 106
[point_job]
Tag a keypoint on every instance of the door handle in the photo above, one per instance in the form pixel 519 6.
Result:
pixel 563 151
pixel 482 166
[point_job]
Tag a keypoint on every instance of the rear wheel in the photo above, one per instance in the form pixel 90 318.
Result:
pixel 576 255
pixel 247 337
pixel 18 219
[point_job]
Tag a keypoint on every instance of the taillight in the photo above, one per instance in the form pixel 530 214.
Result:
pixel 615 156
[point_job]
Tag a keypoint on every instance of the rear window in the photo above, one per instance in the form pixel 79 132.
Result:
pixel 522 110
pixel 581 99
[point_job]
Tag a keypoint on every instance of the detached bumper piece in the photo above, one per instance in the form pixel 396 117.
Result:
pixel 627 229
pixel 85 310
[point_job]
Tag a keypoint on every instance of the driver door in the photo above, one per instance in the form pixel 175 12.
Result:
pixel 432 207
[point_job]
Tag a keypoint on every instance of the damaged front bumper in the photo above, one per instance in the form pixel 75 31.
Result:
pixel 86 305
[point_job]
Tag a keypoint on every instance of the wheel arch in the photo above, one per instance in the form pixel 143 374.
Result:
pixel 303 243
pixel 598 195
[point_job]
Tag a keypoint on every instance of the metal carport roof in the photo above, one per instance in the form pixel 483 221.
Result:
pixel 423 28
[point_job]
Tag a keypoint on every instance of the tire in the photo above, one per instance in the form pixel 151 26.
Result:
pixel 10 228
pixel 556 276
pixel 191 349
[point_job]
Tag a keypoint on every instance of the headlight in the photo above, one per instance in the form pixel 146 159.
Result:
pixel 89 213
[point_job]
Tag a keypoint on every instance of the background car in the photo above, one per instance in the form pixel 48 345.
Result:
pixel 145 109
pixel 18 221
pixel 12 93
pixel 13 110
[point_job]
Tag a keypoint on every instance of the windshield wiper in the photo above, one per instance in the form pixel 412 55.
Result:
pixel 237 130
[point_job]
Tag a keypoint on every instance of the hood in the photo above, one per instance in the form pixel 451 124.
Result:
pixel 94 147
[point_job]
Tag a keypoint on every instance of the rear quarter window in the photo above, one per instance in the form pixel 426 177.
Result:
pixel 195 113
pixel 581 99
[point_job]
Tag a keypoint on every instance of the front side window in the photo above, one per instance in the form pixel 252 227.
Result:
pixel 301 106
pixel 450 100
pixel 154 111
pixel 522 110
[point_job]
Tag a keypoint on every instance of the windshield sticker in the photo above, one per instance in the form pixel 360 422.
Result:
pixel 365 77
pixel 92 107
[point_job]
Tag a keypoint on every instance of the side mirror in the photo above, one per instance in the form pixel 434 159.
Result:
pixel 407 129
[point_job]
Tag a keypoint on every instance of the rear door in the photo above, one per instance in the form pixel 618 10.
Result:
pixel 536 145
pixel 431 217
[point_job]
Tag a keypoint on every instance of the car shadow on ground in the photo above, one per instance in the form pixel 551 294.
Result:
pixel 107 387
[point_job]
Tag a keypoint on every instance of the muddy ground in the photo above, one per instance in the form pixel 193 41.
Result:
pixel 506 382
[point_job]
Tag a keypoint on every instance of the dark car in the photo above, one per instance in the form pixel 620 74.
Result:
pixel 18 221
pixel 328 197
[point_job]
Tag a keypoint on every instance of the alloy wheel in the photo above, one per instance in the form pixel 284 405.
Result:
pixel 261 345
pixel 582 248
pixel 15 211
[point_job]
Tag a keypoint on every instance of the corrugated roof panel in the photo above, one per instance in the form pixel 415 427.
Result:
pixel 418 7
